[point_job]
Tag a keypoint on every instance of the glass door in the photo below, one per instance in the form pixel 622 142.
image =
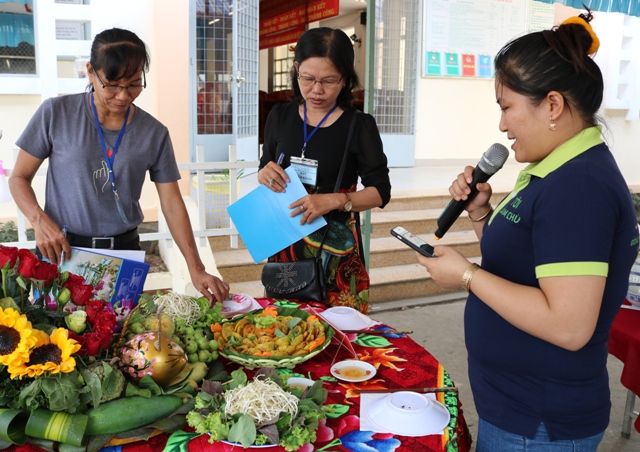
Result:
pixel 394 79
pixel 225 78
pixel 245 79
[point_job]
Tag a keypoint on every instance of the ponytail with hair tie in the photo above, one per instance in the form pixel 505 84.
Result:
pixel 579 20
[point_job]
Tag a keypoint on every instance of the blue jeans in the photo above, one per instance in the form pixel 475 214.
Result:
pixel 493 439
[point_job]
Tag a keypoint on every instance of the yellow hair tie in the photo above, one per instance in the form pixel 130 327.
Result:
pixel 595 42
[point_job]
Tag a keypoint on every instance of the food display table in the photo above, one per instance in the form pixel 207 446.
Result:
pixel 624 344
pixel 400 363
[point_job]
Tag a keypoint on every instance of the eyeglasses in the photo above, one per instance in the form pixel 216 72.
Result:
pixel 133 90
pixel 327 83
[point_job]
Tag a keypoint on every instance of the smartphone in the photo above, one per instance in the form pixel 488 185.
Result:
pixel 413 241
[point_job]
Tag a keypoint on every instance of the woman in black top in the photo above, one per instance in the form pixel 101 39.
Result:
pixel 314 126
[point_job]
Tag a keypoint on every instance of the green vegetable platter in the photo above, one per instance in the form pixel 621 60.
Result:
pixel 272 337
pixel 264 412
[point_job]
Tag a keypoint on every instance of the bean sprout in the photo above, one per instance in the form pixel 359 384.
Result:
pixel 179 306
pixel 262 400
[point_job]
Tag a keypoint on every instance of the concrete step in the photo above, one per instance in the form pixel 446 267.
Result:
pixel 394 272
pixel 387 284
pixel 237 265
pixel 416 210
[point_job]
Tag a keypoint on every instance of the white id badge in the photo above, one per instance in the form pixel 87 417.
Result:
pixel 306 169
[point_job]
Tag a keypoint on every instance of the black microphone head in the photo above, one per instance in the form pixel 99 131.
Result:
pixel 493 159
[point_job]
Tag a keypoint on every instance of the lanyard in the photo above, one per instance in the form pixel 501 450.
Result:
pixel 110 155
pixel 307 136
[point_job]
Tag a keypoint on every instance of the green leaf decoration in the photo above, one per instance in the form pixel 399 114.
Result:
pixel 29 395
pixel 62 391
pixel 97 442
pixel 45 444
pixel 93 383
pixel 69 448
pixel 243 431
pixel 287 304
pixel 328 378
pixel 178 441
pixel 216 372
pixel 12 424
pixel 172 423
pixel 133 390
pixel 335 410
pixel 366 340
pixel 141 434
pixel 57 426
pixel 147 382
pixel 293 322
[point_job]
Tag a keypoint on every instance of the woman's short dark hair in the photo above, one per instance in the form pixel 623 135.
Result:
pixel 334 44
pixel 119 53
pixel 554 60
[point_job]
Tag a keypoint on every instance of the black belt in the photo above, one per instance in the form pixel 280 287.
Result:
pixel 102 242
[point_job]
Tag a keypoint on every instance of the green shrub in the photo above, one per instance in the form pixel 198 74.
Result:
pixel 9 232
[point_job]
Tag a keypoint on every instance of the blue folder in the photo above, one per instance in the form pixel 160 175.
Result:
pixel 262 219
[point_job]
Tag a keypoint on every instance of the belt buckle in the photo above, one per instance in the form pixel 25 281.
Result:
pixel 94 242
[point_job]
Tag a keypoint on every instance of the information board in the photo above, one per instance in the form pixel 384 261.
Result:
pixel 461 37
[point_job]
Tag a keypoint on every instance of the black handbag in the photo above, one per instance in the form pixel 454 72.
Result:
pixel 300 280
pixel 303 279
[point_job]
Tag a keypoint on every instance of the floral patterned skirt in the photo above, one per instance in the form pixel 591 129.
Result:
pixel 346 277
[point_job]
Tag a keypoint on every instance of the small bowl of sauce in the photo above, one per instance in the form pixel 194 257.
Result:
pixel 353 370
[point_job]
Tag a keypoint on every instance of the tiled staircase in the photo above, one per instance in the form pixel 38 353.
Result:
pixel 394 273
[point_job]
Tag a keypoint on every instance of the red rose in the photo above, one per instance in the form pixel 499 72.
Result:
pixel 105 334
pixel 8 254
pixel 44 271
pixel 105 319
pixel 92 308
pixel 80 293
pixel 74 279
pixel 28 262
pixel 89 343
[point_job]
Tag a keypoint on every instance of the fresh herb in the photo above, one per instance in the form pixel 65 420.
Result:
pixel 230 411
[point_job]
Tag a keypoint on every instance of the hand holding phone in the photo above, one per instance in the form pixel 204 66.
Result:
pixel 413 241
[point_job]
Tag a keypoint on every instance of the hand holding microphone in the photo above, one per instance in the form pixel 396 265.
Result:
pixel 492 160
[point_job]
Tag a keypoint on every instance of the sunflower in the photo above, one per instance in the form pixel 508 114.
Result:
pixel 51 354
pixel 16 337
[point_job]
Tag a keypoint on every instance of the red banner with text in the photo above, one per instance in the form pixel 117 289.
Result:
pixel 283 21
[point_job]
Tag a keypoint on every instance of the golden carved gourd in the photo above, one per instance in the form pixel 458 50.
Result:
pixel 152 353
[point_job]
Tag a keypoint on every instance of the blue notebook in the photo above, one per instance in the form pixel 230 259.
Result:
pixel 262 219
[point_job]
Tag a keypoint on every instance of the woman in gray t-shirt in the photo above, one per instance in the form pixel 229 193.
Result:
pixel 100 147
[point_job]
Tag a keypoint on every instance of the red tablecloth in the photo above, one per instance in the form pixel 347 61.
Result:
pixel 400 363
pixel 624 344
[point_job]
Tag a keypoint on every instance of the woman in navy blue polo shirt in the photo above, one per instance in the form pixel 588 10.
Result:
pixel 556 253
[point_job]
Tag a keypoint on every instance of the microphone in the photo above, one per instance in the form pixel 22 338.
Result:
pixel 491 161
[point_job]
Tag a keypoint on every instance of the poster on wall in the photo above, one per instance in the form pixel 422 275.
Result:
pixel 284 21
pixel 461 37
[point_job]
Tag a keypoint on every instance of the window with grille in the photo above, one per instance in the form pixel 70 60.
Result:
pixel 282 63
pixel 395 65
pixel 214 56
pixel 17 43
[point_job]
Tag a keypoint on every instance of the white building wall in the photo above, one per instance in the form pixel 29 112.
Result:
pixel 456 118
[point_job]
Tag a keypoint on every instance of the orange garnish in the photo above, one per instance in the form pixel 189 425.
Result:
pixel 316 343
pixel 271 311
